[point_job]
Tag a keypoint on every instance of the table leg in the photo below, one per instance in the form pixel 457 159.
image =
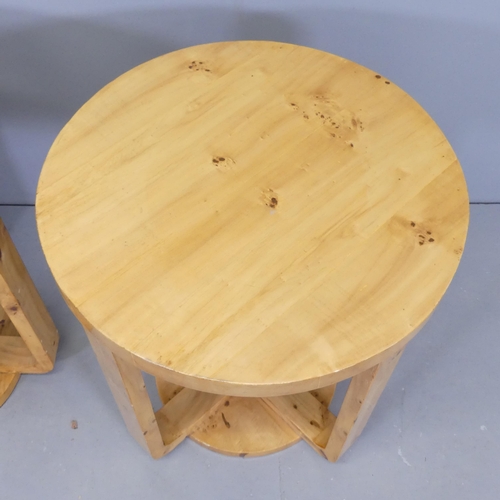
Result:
pixel 329 435
pixel 157 432
pixel 360 400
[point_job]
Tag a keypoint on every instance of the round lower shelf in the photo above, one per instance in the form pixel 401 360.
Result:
pixel 245 427
pixel 239 427
pixel 8 382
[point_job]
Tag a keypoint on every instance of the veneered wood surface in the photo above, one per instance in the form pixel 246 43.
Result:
pixel 246 427
pixel 252 218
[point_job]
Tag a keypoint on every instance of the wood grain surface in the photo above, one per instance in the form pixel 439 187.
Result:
pixel 28 336
pixel 252 218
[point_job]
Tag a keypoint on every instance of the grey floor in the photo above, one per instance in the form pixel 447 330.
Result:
pixel 433 435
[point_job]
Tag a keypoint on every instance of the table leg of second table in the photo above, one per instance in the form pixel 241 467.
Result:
pixel 236 425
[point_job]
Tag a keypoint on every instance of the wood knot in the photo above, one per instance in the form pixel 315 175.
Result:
pixel 226 423
pixel 270 198
pixel 198 66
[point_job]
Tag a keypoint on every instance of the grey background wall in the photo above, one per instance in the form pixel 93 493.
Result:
pixel 56 54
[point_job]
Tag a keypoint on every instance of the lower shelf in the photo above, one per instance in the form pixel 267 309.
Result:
pixel 8 382
pixel 244 426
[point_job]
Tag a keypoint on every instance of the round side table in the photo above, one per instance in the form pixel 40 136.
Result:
pixel 251 223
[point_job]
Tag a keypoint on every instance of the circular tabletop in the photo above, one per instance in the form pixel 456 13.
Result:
pixel 252 218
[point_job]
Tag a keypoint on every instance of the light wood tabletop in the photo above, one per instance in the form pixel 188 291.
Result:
pixel 252 218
